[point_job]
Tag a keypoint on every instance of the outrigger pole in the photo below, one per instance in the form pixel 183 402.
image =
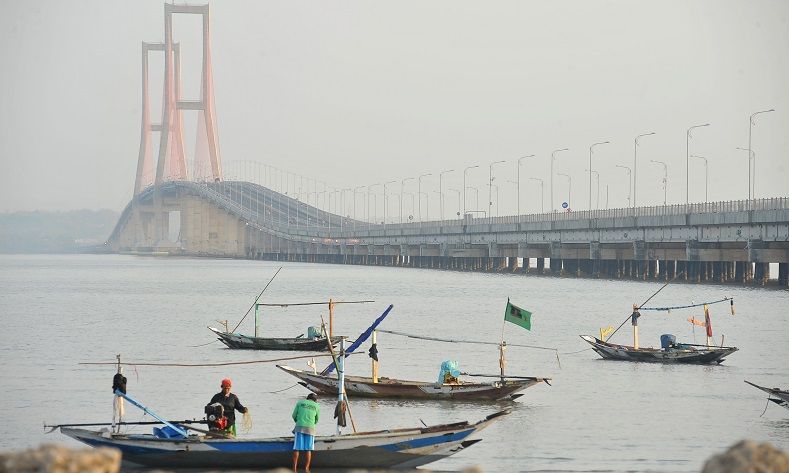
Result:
pixel 140 405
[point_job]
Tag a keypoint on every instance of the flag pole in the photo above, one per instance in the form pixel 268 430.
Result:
pixel 503 344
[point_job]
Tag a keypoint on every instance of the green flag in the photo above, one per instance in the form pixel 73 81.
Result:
pixel 517 316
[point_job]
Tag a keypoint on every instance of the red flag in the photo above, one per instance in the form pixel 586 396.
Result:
pixel 707 320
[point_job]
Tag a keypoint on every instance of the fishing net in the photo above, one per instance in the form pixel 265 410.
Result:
pixel 246 422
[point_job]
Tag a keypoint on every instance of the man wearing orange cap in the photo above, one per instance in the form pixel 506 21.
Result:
pixel 230 404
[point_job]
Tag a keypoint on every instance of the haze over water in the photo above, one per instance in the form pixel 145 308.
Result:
pixel 58 311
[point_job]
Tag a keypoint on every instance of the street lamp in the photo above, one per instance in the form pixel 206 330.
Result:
pixel 464 186
pixel 402 185
pixel 490 185
pixel 630 178
pixel 569 187
pixel 597 176
pixel 635 167
pixel 441 190
pixel 385 200
pixel 751 155
pixel 369 188
pixel 542 193
pixel 590 174
pixel 519 180
pixel 706 174
pixel 553 158
pixel 687 162
pixel 497 199
pixel 476 196
pixel 665 177
pixel 354 201
pixel 419 191
pixel 459 202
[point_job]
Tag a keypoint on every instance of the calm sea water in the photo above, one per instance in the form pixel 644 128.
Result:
pixel 60 311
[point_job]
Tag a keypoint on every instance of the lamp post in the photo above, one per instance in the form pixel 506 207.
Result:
pixel 441 191
pixel 597 177
pixel 542 193
pixel 635 166
pixel 419 192
pixel 464 186
pixel 476 196
pixel 459 202
pixel 411 215
pixel 519 180
pixel 369 188
pixel 751 155
pixel 490 185
pixel 385 200
pixel 402 185
pixel 590 174
pixel 706 175
pixel 665 177
pixel 553 158
pixel 427 206
pixel 497 199
pixel 354 204
pixel 569 187
pixel 630 178
pixel 687 162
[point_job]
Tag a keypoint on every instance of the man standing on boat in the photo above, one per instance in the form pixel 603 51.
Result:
pixel 305 414
pixel 230 404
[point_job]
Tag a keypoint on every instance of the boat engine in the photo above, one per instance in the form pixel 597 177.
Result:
pixel 215 414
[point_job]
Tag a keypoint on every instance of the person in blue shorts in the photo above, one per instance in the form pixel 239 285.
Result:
pixel 305 414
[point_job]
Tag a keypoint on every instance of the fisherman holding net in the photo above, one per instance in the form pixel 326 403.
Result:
pixel 230 404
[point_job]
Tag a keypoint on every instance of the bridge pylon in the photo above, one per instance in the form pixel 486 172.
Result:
pixel 171 162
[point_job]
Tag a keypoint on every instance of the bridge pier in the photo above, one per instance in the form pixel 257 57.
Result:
pixel 783 274
pixel 761 273
pixel 540 265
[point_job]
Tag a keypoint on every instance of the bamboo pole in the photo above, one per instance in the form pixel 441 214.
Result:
pixel 375 363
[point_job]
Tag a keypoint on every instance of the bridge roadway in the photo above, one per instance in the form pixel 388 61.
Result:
pixel 717 241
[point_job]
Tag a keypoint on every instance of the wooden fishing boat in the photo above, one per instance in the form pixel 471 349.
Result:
pixel 359 386
pixel 240 341
pixel 781 395
pixel 391 448
pixel 173 446
pixel 316 339
pixel 669 351
pixel 680 353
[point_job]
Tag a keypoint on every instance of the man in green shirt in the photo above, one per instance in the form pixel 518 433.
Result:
pixel 305 414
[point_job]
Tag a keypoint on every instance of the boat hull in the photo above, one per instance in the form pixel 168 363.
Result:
pixel 400 448
pixel 246 342
pixel 781 395
pixel 701 355
pixel 357 386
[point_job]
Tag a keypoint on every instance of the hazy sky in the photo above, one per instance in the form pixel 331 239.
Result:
pixel 360 92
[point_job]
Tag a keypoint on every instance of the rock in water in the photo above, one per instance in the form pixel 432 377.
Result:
pixel 59 459
pixel 749 457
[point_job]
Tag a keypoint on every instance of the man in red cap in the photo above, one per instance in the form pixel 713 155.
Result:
pixel 230 404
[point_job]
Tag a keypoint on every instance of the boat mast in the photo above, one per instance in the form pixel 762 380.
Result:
pixel 340 379
pixel 375 361
pixel 331 318
pixel 634 320
pixel 117 405
pixel 257 321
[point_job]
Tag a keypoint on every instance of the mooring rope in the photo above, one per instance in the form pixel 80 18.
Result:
pixel 200 365
pixel 687 306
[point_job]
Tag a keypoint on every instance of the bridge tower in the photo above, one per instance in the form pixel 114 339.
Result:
pixel 171 163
